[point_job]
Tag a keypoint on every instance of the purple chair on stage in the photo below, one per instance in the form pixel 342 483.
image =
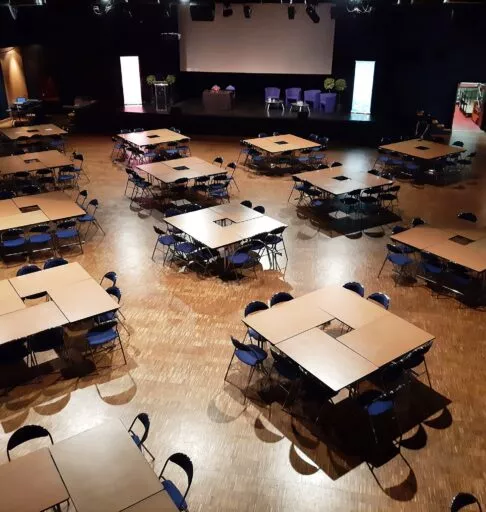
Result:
pixel 272 92
pixel 328 102
pixel 313 96
pixel 292 94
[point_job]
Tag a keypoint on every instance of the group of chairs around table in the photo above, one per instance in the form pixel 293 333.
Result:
pixel 139 430
pixel 178 246
pixel 394 164
pixel 305 159
pixel 53 237
pixel 26 183
pixel 390 381
pixel 104 335
pixel 32 143
pixel 134 155
pixel 443 276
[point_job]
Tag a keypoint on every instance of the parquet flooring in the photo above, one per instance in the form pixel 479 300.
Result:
pixel 255 457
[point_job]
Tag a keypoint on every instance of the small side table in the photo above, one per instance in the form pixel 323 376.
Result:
pixel 274 102
pixel 300 106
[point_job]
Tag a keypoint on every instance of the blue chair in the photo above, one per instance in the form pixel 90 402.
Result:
pixel 110 276
pixel 30 269
pixel 184 250
pixel 244 258
pixel 14 243
pixel 253 307
pixel 78 164
pixel 220 191
pixel 279 297
pixel 389 197
pixel 24 434
pixel 292 94
pixel 250 355
pixel 272 92
pixel 231 168
pixel 55 262
pixel 355 287
pixel 139 440
pixel 272 240
pixel 218 160
pixel 68 176
pixel 185 463
pixel 415 358
pixel 380 298
pixel 6 194
pixel 103 336
pixel 287 370
pixel 67 231
pixel 431 268
pixel 469 216
pixel 399 260
pixel 464 499
pixel 90 218
pixel 40 238
pixel 167 241
pixel 313 96
pixel 56 141
pixel 81 197
pixel 299 186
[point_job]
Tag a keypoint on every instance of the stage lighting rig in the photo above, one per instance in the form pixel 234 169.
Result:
pixel 359 6
pixel 311 10
pixel 227 9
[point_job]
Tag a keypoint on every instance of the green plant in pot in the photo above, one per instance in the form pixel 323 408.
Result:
pixel 150 79
pixel 329 84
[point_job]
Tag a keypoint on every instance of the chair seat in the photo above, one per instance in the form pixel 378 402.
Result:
pixel 273 239
pixel 65 177
pixel 317 203
pixel 166 240
pixel 388 197
pixel 185 247
pixel 136 439
pixel 86 218
pixel 287 370
pixel 255 335
pixel 248 357
pixel 259 352
pixel 431 268
pixel 106 317
pixel 175 494
pixel 16 242
pixel 40 238
pixel 67 233
pixel 399 259
pixel 102 337
pixel 239 258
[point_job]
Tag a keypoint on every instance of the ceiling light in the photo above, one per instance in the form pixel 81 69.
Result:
pixel 227 10
pixel 311 12
pixel 359 6
pixel 291 12
pixel 247 10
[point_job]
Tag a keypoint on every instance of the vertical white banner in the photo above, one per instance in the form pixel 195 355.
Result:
pixel 132 90
pixel 364 74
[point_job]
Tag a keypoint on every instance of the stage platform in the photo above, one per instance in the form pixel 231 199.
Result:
pixel 248 118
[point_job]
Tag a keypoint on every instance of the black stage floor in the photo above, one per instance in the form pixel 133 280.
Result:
pixel 249 117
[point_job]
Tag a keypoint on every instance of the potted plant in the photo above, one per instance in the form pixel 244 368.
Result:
pixel 328 98
pixel 340 86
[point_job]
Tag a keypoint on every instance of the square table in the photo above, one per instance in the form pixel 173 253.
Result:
pixel 385 339
pixel 55 205
pixel 49 159
pixel 423 149
pixel 236 212
pixel 28 131
pixel 286 320
pixel 82 299
pixel 9 298
pixel 20 220
pixel 152 137
pixel 30 320
pixel 51 278
pixel 327 359
pixel 188 161
pixel 463 255
pixel 422 237
pixel 170 173
pixel 31 483
pixel 104 470
pixel 281 143
pixel 159 502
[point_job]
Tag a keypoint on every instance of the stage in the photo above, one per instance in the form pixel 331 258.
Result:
pixel 248 118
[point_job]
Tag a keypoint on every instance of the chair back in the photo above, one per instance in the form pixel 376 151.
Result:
pixel 111 276
pixel 417 221
pixel 94 203
pixel 144 419
pixel 398 229
pixel 115 291
pixel 172 212
pixel 464 499
pixel 30 190
pixel 322 166
pixel 278 231
pixel 231 165
pixel 82 195
pixel 469 216
pixel 41 228
pixel 12 234
pixel 254 306
pixel 336 164
pixel 293 93
pixel 26 433
pixel 262 135
pixel 246 203
pixel 272 92
pixel 27 269
pixel 159 231
pixel 185 463
pixel 218 160
pixel 280 297
pixel 174 129
pixel 105 326
pixel 458 143
pixel 259 209
pixel 6 194
pixel 395 249
pixel 380 298
pixel 355 287
pixel 66 224
pixel 55 262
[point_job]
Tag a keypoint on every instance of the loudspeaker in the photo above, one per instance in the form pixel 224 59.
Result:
pixel 202 12
pixel 302 116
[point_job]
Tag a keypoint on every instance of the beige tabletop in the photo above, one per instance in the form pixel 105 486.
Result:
pixel 192 222
pixel 464 255
pixel 28 131
pixel 236 212
pixel 103 470
pixel 23 219
pixel 258 226
pixel 9 298
pixel 422 237
pixel 321 174
pixel 478 245
pixel 345 305
pixel 33 161
pixel 286 320
pixel 150 137
pixel 82 299
pixel 471 233
pixel 166 174
pixel 189 161
pixel 8 208
pixel 327 359
pixel 45 280
pixel 434 149
pixel 30 320
pixel 55 205
pixel 290 143
pixel 385 339
pixel 159 502
pixel 31 483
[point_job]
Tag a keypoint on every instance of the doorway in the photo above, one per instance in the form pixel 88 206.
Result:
pixel 469 107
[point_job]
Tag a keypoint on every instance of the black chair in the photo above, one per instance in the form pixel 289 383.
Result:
pixel 144 419
pixel 464 499
pixel 417 221
pixel 52 339
pixel 415 358
pixel 253 307
pixel 55 262
pixel 185 463
pixel 469 216
pixel 336 164
pixel 246 203
pixel 355 287
pixel 259 209
pixel 13 243
pixel 218 160
pixel 24 434
pixel 280 297
pixel 110 276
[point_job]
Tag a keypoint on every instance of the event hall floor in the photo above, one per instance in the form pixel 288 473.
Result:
pixel 256 457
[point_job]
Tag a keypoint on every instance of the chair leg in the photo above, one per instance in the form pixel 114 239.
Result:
pixel 384 261
pixel 155 248
pixel 428 375
pixel 123 351
pixel 227 370
pixel 291 192
pixel 252 371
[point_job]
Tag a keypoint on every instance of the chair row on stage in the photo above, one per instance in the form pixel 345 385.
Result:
pixel 319 100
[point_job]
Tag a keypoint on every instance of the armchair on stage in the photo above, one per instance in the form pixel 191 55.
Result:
pixel 312 99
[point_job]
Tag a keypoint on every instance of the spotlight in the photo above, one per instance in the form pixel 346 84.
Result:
pixel 311 12
pixel 247 10
pixel 227 10
pixel 291 12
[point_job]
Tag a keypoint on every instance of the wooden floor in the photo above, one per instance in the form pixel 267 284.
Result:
pixel 256 458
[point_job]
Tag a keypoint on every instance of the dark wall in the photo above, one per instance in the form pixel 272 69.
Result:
pixel 3 99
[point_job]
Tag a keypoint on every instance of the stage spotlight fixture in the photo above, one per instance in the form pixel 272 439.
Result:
pixel 359 6
pixel 291 12
pixel 227 10
pixel 312 13
pixel 247 10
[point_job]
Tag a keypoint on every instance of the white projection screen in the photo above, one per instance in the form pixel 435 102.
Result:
pixel 268 42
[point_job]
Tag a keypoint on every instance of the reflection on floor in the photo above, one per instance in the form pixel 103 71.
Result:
pixel 258 458
pixel 463 123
